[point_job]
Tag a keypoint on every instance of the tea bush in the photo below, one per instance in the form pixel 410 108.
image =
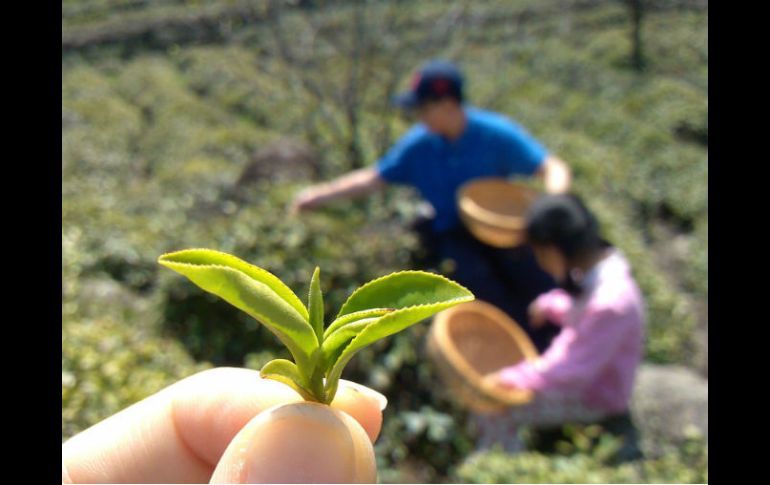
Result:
pixel 688 464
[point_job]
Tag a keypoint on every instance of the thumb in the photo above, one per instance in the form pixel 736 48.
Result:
pixel 301 442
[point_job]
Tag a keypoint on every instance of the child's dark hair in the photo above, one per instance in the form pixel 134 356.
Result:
pixel 565 222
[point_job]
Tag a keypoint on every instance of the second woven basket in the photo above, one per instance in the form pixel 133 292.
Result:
pixel 471 340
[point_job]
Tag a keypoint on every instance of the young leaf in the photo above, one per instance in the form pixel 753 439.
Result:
pixel 403 289
pixel 315 304
pixel 253 290
pixel 285 371
pixel 210 257
pixel 414 296
pixel 334 344
pixel 354 317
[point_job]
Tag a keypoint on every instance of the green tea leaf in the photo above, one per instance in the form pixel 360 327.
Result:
pixel 285 371
pixel 354 317
pixel 414 295
pixel 335 343
pixel 403 289
pixel 315 304
pixel 253 290
pixel 208 257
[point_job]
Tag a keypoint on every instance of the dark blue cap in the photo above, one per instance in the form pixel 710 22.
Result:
pixel 436 79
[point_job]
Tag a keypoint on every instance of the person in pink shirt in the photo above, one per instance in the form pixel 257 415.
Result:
pixel 587 373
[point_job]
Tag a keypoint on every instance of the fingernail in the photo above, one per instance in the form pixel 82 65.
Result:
pixel 381 399
pixel 307 443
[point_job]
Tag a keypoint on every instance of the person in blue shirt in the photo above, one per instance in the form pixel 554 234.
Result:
pixel 452 144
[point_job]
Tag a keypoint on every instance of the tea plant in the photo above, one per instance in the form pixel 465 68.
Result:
pixel 374 311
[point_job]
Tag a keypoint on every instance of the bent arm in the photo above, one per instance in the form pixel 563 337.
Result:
pixel 554 305
pixel 354 184
pixel 556 175
pixel 577 365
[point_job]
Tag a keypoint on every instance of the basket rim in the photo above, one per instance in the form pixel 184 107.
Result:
pixel 485 216
pixel 471 377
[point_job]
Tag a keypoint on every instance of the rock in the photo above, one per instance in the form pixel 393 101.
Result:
pixel 282 160
pixel 669 405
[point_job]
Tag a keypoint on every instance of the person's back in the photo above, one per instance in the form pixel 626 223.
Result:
pixel 618 293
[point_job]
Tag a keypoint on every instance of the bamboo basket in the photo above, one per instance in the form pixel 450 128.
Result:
pixel 473 339
pixel 494 210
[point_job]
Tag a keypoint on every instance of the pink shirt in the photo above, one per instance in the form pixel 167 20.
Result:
pixel 601 343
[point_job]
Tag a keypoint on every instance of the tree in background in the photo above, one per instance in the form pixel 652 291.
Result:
pixel 373 47
pixel 636 9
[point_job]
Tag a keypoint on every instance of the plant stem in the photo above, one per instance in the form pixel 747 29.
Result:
pixel 317 384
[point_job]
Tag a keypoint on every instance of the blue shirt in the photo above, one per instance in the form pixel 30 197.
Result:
pixel 492 145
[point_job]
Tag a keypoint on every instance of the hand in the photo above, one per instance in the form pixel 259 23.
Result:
pixel 199 430
pixel 491 380
pixel 307 199
pixel 536 315
pixel 495 380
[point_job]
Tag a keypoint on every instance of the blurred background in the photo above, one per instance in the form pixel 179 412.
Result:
pixel 193 124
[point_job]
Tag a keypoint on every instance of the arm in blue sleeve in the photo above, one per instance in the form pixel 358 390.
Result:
pixel 520 152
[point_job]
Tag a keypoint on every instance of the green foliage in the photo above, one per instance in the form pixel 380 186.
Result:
pixel 698 269
pixel 254 291
pixel 411 296
pixel 374 311
pixel 688 464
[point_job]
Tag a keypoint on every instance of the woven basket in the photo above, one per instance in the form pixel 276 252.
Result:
pixel 494 210
pixel 473 339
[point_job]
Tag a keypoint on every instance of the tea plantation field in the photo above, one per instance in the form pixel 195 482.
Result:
pixel 192 124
